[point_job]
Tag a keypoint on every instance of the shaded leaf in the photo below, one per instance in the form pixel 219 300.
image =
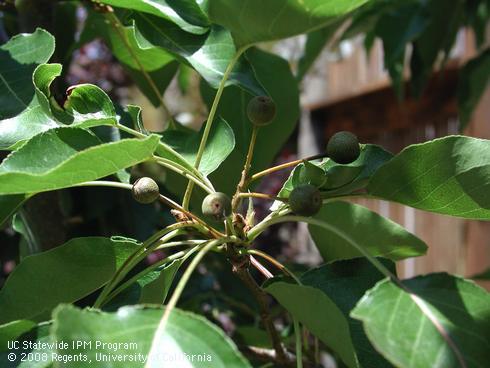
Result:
pixel 450 175
pixel 377 234
pixel 63 274
pixel 64 157
pixel 397 327
pixel 473 81
pixel 9 204
pixel 12 330
pixel 345 282
pixel 155 286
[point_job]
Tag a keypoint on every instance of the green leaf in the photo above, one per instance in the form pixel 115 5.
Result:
pixel 159 65
pixel 155 286
pixel 397 327
pixel 340 179
pixel 269 69
pixel 18 59
pixel 255 21
pixel 319 314
pixel 165 9
pixel 185 333
pixel 63 274
pixel 64 157
pixel 450 175
pixel 377 234
pixel 9 204
pixel 22 113
pixel 345 282
pixel 473 82
pixel 209 54
pixel 220 144
pixel 12 330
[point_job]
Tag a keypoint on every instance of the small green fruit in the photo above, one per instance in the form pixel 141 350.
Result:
pixel 261 110
pixel 145 190
pixel 217 205
pixel 343 148
pixel 305 200
pixel 23 6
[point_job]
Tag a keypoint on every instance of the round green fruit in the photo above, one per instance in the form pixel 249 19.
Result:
pixel 145 190
pixel 305 200
pixel 343 148
pixel 23 6
pixel 261 110
pixel 217 205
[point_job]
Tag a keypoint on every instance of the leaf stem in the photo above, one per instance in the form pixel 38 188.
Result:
pixel 184 172
pixel 262 196
pixel 276 263
pixel 180 288
pixel 299 348
pixel 209 121
pixel 119 27
pixel 285 166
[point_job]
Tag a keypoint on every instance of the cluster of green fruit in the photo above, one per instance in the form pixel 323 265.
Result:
pixel 304 200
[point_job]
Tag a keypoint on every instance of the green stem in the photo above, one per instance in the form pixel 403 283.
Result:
pixel 181 285
pixel 276 263
pixel 119 27
pixel 184 172
pixel 299 348
pixel 209 122
pixel 141 274
pixel 174 166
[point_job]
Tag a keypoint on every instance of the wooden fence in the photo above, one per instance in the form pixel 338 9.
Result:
pixel 358 97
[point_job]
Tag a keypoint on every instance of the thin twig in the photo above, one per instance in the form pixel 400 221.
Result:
pixel 261 195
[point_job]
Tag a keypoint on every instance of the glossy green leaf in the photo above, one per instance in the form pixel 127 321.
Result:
pixel 474 80
pixel 220 144
pixel 64 157
pixel 449 175
pixel 158 64
pixel 345 282
pixel 209 54
pixel 63 274
pixel 253 21
pixel 167 10
pixel 397 327
pixel 377 234
pixel 9 204
pixel 275 75
pixel 186 333
pixel 22 115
